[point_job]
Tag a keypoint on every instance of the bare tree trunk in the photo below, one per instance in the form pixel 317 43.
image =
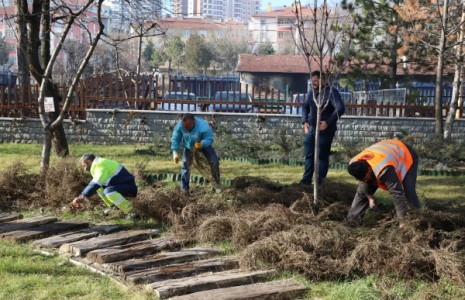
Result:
pixel 316 172
pixel 393 54
pixel 22 42
pixel 139 53
pixel 438 128
pixel 46 149
pixel 58 135
pixel 457 85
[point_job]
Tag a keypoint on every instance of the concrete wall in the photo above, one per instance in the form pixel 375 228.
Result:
pixel 113 127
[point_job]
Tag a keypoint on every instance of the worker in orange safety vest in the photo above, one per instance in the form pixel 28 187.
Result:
pixel 390 165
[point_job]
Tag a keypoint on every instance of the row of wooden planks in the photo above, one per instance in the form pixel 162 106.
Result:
pixel 170 267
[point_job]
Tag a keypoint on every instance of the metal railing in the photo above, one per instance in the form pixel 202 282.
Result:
pixel 388 95
pixel 184 94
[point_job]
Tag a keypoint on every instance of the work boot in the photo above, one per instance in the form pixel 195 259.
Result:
pixel 217 188
pixel 132 216
pixel 305 184
pixel 107 211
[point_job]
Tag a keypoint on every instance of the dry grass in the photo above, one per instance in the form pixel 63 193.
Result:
pixel 275 225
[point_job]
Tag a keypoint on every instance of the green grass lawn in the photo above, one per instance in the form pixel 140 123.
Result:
pixel 25 274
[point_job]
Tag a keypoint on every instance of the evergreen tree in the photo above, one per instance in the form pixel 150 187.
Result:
pixel 175 51
pixel 148 51
pixel 378 40
pixel 198 55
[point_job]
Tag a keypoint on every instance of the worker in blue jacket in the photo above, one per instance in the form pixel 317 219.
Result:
pixel 194 134
pixel 331 110
pixel 110 180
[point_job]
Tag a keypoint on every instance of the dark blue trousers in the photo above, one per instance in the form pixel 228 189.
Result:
pixel 326 138
pixel 212 158
pixel 125 189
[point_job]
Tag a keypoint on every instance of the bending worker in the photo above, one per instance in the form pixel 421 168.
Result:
pixel 110 180
pixel 195 135
pixel 390 165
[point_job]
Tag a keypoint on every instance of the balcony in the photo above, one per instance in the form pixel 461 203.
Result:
pixel 284 28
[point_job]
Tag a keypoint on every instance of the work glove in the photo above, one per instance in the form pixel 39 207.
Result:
pixel 175 157
pixel 198 145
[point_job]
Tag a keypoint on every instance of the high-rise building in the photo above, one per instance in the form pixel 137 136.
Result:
pixel 217 9
pixel 123 12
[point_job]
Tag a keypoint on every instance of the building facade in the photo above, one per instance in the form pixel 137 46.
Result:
pixel 239 10
pixel 276 27
pixel 206 27
pixel 121 12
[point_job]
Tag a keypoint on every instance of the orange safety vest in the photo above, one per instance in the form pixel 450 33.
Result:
pixel 387 153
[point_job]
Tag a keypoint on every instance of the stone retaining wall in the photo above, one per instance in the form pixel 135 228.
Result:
pixel 113 127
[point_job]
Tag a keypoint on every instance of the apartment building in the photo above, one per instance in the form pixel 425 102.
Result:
pixel 239 10
pixel 207 27
pixel 275 27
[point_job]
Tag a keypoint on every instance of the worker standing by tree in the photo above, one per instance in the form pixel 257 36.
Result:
pixel 110 180
pixel 390 165
pixel 194 134
pixel 332 109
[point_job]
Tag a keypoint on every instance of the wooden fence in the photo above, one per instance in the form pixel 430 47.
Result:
pixel 186 95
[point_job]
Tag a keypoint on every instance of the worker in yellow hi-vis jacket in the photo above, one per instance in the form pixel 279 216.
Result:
pixel 110 180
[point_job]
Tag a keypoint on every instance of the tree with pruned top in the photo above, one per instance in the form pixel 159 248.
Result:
pixel 138 22
pixel 323 37
pixel 38 22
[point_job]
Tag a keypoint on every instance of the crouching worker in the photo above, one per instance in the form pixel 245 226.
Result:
pixel 390 165
pixel 194 134
pixel 110 180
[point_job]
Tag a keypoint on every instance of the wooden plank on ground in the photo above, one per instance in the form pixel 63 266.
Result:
pixel 273 290
pixel 163 259
pixel 43 231
pixel 81 248
pixel 134 250
pixel 69 237
pixel 182 270
pixel 182 286
pixel 25 223
pixel 6 217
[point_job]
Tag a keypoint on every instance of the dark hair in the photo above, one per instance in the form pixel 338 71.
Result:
pixel 358 169
pixel 318 74
pixel 186 117
pixel 87 156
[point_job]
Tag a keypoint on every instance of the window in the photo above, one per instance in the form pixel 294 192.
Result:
pixel 185 33
pixel 280 35
pixel 219 34
pixel 203 33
